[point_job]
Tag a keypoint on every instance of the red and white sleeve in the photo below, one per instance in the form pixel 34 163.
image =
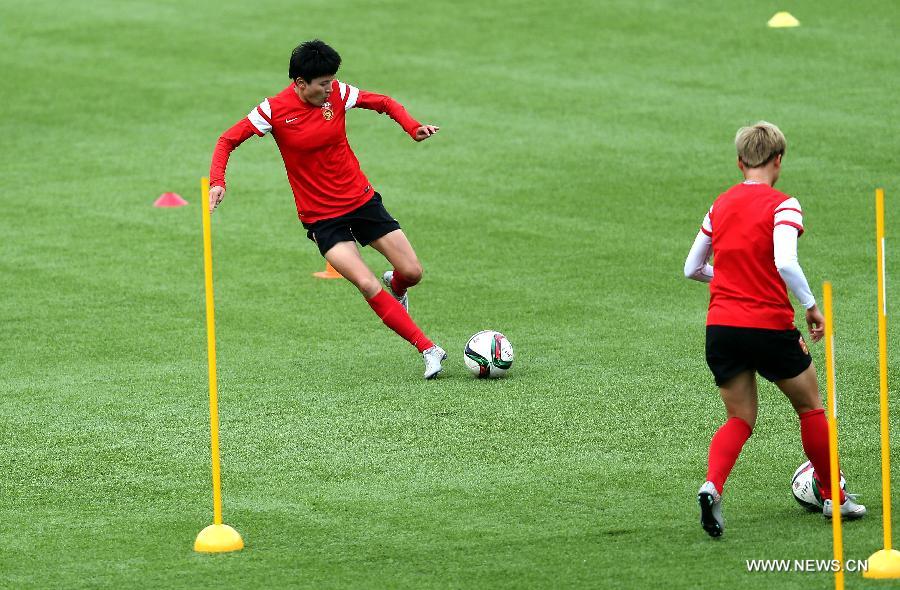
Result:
pixel 261 118
pixel 353 97
pixel 789 227
pixel 706 226
pixel 349 95
pixel 790 213
pixel 697 265
pixel 257 122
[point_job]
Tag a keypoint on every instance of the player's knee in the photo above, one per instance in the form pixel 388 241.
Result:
pixel 413 273
pixel 746 415
pixel 802 407
pixel 369 287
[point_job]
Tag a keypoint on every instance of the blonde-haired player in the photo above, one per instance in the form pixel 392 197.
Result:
pixel 753 230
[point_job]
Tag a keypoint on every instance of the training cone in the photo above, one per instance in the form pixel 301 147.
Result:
pixel 328 273
pixel 883 564
pixel 170 200
pixel 783 20
pixel 218 538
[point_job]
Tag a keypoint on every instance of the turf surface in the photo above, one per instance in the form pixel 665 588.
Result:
pixel 581 143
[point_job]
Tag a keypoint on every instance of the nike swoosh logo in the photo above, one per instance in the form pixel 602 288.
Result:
pixel 289 120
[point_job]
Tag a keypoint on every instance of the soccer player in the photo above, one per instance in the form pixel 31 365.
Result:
pixel 335 202
pixel 753 229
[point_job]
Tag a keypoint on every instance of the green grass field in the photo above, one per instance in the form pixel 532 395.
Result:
pixel 581 144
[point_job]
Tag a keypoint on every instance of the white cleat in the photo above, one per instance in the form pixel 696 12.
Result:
pixel 850 510
pixel 711 510
pixel 386 279
pixel 433 358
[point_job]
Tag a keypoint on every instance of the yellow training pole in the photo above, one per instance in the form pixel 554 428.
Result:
pixel 835 482
pixel 217 537
pixel 884 563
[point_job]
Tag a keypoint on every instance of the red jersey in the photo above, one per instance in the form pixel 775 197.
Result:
pixel 323 171
pixel 746 289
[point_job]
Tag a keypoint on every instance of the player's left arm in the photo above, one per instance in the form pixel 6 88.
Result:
pixel 697 265
pixel 353 97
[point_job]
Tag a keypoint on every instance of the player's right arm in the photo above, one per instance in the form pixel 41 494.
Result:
pixel 257 122
pixel 788 228
pixel 697 265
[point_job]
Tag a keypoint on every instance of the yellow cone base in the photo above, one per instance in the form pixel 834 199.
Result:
pixel 218 538
pixel 783 20
pixel 883 564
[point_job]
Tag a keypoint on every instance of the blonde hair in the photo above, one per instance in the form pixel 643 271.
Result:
pixel 758 144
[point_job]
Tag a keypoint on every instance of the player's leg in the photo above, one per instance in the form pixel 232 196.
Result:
pixel 395 247
pixel 740 397
pixel 407 270
pixel 802 391
pixel 345 258
pixel 399 252
pixel 729 357
pixel 373 225
pixel 795 376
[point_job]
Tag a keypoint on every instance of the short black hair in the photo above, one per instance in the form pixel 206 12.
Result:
pixel 313 59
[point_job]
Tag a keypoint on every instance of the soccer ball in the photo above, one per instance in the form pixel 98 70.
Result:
pixel 488 354
pixel 805 490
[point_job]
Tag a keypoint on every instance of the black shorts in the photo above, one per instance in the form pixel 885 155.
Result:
pixel 364 225
pixel 774 354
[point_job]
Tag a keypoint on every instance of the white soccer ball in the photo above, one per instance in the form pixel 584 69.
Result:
pixel 805 490
pixel 488 354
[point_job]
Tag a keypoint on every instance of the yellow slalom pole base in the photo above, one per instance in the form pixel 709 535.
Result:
pixel 218 538
pixel 883 565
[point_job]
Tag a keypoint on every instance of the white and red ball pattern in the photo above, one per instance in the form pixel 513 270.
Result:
pixel 488 354
pixel 805 490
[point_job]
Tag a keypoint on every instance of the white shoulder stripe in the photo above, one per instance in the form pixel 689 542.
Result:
pixel 343 88
pixel 352 97
pixel 266 108
pixel 258 120
pixel 791 203
pixel 789 216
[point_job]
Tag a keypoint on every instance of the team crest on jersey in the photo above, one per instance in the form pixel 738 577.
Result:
pixel 327 112
pixel 803 346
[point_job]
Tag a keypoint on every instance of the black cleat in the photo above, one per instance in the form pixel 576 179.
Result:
pixel 710 510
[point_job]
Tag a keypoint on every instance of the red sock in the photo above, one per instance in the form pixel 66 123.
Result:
pixel 399 284
pixel 814 434
pixel 724 449
pixel 395 317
